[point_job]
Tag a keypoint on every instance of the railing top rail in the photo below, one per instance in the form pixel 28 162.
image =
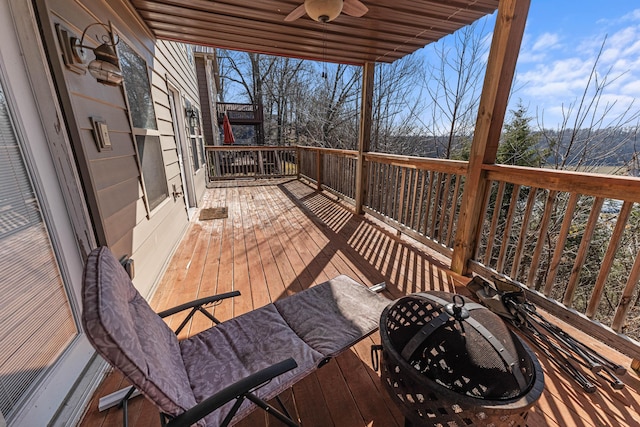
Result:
pixel 334 151
pixel 224 106
pixel 439 165
pixel 249 148
pixel 586 183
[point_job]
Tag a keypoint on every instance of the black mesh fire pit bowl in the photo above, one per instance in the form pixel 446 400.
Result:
pixel 447 361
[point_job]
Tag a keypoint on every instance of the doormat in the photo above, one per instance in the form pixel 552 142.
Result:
pixel 213 213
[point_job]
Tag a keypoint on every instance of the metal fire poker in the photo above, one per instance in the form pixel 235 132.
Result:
pixel 561 348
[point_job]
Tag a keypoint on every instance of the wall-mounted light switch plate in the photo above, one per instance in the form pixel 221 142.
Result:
pixel 101 134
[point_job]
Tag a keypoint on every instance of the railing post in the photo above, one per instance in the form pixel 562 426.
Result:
pixel 364 136
pixel 507 37
pixel 298 161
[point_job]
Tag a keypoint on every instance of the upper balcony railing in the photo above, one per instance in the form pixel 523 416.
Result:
pixel 239 113
pixel 573 239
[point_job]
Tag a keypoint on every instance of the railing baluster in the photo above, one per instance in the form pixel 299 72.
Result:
pixel 384 181
pixel 483 212
pixel 523 232
pixel 427 211
pixel 371 182
pixel 627 296
pixel 607 261
pixel 560 243
pixel 582 252
pixel 446 192
pixel 394 192
pixel 436 205
pixel 452 213
pixel 388 191
pixel 515 192
pixel 402 173
pixel 544 226
pixel 494 222
pixel 420 190
pixel 414 195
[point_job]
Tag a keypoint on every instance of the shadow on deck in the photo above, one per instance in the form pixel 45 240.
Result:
pixel 283 236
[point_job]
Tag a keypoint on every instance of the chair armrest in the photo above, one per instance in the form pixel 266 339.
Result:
pixel 235 390
pixel 198 302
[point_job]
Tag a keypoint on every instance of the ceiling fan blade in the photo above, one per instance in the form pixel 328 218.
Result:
pixel 354 8
pixel 298 12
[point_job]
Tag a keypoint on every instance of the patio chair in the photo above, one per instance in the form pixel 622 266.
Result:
pixel 220 375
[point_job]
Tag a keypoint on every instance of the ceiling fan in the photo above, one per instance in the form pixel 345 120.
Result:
pixel 327 10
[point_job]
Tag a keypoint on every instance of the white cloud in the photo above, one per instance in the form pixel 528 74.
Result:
pixel 546 41
pixel 632 88
pixel 553 75
pixel 534 51
pixel 634 15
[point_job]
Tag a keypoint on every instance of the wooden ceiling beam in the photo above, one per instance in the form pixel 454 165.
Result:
pixel 216 27
pixel 368 31
pixel 390 30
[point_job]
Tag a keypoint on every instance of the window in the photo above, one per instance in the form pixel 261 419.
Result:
pixel 202 151
pixel 155 180
pixel 194 150
pixel 143 118
pixel 136 80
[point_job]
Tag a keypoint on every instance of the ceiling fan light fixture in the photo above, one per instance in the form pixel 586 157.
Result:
pixel 323 10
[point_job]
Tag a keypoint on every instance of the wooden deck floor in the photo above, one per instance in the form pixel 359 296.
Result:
pixel 281 237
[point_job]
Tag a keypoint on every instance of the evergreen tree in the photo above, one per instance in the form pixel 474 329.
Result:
pixel 519 145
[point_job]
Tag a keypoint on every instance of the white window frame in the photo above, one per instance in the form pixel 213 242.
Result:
pixel 135 132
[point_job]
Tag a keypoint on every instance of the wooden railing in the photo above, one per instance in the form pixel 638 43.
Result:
pixel 420 197
pixel 331 169
pixel 227 162
pixel 239 113
pixel 572 238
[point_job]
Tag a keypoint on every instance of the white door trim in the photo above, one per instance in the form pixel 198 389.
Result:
pixel 186 170
pixel 24 72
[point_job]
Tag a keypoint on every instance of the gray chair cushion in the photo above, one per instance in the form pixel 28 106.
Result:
pixel 130 335
pixel 308 326
pixel 336 314
pixel 226 353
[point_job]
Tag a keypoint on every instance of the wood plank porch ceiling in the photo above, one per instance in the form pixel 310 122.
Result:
pixel 390 30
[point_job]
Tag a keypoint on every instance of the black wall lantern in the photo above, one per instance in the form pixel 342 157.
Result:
pixel 192 119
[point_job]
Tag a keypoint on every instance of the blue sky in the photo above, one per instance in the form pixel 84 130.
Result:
pixel 561 42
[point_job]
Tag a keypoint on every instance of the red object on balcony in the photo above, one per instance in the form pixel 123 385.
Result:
pixel 228 132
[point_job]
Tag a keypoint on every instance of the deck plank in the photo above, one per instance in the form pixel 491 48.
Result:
pixel 284 236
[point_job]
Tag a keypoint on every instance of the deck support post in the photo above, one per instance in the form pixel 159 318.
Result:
pixel 364 136
pixel 505 46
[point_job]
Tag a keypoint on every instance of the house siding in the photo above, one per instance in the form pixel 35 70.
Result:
pixel 103 190
pixel 113 178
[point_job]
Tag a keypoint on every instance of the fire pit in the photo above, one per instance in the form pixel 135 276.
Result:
pixel 448 361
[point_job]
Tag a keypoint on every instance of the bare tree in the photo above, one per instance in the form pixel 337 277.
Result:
pixel 453 84
pixel 330 111
pixel 591 133
pixel 396 104
pixel 281 94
